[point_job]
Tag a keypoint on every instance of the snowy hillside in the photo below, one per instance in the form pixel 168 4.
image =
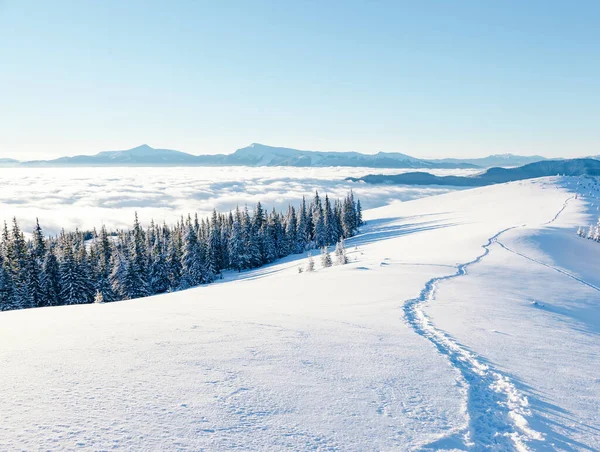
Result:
pixel 468 320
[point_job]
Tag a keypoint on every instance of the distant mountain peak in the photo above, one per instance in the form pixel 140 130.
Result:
pixel 142 147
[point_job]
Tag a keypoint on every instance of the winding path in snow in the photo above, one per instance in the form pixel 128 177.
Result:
pixel 497 411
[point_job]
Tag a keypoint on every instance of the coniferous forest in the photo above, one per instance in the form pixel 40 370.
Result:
pixel 77 267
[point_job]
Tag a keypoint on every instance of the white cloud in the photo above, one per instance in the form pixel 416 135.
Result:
pixel 89 197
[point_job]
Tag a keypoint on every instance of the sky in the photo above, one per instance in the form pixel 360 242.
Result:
pixel 427 78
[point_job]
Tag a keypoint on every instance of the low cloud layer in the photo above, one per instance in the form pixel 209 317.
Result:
pixel 89 197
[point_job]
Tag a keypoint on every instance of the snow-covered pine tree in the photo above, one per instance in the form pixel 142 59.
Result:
pixel 51 279
pixel 359 218
pixel 208 272
pixel 340 253
pixel 253 243
pixel 291 232
pixel 302 229
pixel 72 288
pixel 325 257
pixel 34 276
pixel 7 289
pixel 98 298
pixel 348 217
pixel 158 272
pixel 310 264
pixel 174 267
pixel 330 223
pixel 38 243
pixel 117 274
pixel 17 257
pixel 191 261
pixel 236 243
pixel 214 245
pixel 138 257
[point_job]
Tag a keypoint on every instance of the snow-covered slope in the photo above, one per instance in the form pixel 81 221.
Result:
pixel 465 321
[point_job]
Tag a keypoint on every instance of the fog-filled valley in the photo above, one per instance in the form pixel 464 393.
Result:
pixel 90 197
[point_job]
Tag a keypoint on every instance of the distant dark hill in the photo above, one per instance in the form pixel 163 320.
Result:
pixel 8 162
pixel 503 160
pixel 573 167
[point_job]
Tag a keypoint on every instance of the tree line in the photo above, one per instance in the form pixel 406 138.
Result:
pixel 81 267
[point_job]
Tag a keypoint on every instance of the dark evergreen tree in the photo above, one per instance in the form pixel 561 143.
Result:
pixel 72 289
pixel 159 271
pixel 236 245
pixel 51 280
pixel 7 288
pixel 291 232
pixel 359 218
pixel 191 262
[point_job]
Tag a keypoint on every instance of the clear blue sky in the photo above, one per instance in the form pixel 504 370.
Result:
pixel 428 78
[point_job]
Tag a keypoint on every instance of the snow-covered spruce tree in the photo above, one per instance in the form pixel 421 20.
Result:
pixel 349 216
pixel 7 289
pixel 158 272
pixel 303 229
pixel 72 288
pixel 139 260
pixel 192 261
pixel 291 232
pixel 51 279
pixel 325 257
pixel 117 274
pixel 18 265
pixel 340 253
pixel 98 298
pixel 359 218
pixel 174 268
pixel 253 244
pixel 331 230
pixel 34 277
pixel 213 259
pixel 310 264
pixel 236 243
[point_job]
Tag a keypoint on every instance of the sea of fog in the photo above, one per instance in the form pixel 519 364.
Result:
pixel 89 197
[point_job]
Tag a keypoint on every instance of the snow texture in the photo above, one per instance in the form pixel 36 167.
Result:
pixel 464 321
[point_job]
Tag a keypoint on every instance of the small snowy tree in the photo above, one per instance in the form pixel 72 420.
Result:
pixel 310 266
pixel 98 298
pixel 340 253
pixel 325 257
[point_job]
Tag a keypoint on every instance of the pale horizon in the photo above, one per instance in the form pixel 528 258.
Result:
pixel 47 156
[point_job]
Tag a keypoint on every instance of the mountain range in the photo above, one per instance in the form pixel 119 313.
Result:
pixel 496 175
pixel 262 155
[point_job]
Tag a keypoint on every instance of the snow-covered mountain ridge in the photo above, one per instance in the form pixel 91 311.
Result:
pixel 262 155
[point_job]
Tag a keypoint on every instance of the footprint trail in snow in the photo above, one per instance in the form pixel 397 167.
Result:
pixel 497 411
